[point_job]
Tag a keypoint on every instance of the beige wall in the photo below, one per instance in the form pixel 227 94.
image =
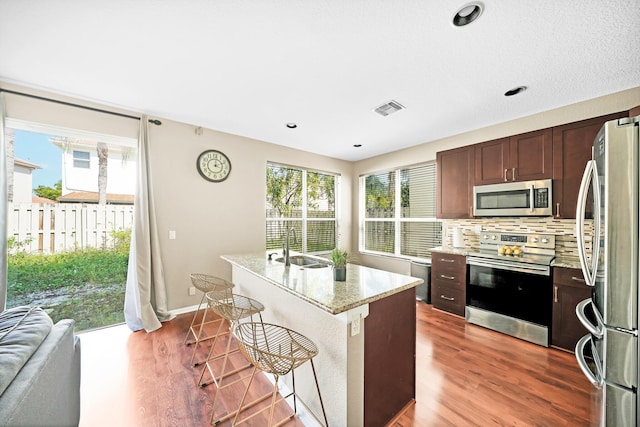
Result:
pixel 210 219
pixel 213 219
pixel 620 101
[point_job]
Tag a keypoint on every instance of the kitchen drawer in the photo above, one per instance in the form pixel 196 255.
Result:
pixel 454 280
pixel 448 298
pixel 456 264
pixel 568 276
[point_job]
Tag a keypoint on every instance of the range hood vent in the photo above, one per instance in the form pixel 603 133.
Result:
pixel 389 107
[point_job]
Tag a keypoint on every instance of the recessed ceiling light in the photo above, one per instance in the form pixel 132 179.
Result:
pixel 357 145
pixel 292 125
pixel 467 14
pixel 515 91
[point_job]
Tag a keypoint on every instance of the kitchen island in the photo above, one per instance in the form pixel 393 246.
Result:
pixel 365 368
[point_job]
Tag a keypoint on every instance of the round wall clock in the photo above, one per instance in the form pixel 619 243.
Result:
pixel 213 165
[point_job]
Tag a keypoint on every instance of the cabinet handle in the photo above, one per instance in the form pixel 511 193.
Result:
pixel 558 210
pixel 470 211
pixel 513 174
pixel 447 277
pixel 447 260
pixel 555 294
pixel 505 175
pixel 577 279
pixel 447 298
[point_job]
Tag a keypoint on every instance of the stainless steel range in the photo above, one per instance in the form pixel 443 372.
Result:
pixel 510 285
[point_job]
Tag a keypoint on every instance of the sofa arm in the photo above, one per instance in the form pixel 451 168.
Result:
pixel 46 391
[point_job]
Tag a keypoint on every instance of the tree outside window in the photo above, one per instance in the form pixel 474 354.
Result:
pixel 304 200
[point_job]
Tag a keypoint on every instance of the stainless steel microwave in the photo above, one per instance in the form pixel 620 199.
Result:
pixel 526 198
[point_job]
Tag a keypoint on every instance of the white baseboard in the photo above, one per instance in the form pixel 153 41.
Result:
pixel 183 310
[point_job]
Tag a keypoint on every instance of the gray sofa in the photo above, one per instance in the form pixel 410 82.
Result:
pixel 39 370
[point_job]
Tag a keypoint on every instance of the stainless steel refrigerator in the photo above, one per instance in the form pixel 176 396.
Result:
pixel 608 355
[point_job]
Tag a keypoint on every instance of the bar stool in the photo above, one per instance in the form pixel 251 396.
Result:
pixel 276 350
pixel 204 283
pixel 232 307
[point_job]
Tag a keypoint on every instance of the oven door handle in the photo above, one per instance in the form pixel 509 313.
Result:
pixel 524 268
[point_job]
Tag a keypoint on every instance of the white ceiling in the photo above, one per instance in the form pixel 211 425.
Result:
pixel 248 67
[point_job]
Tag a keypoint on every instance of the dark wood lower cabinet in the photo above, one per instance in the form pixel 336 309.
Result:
pixel 449 282
pixel 389 357
pixel 569 289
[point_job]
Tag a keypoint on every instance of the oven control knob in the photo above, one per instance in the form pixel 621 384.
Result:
pixel 485 236
pixel 493 237
pixel 545 240
pixel 534 240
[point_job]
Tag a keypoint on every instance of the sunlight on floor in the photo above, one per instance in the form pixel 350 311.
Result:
pixel 104 362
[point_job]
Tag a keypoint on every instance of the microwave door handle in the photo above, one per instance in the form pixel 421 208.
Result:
pixel 580 217
pixel 531 191
pixel 594 378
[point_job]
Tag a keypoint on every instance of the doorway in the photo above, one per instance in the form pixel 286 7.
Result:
pixel 70 213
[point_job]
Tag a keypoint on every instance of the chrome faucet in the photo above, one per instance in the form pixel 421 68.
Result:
pixel 285 247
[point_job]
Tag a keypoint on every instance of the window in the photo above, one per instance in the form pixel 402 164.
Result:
pixel 398 215
pixel 304 200
pixel 81 159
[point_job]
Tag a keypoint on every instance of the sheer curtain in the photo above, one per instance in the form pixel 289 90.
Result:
pixel 145 303
pixel 4 198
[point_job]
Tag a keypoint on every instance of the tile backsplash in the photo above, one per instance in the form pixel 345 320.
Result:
pixel 563 229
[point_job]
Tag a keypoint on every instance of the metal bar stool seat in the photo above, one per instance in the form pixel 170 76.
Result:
pixel 204 283
pixel 231 307
pixel 275 350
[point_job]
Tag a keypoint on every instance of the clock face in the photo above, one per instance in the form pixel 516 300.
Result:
pixel 213 165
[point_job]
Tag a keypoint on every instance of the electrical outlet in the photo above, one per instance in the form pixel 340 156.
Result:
pixel 172 234
pixel 192 290
pixel 355 327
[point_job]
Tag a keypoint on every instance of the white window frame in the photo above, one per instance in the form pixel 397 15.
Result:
pixel 81 163
pixel 397 219
pixel 304 220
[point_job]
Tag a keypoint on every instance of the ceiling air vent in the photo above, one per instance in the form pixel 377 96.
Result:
pixel 389 107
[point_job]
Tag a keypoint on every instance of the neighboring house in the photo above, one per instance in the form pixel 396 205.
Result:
pixel 92 197
pixel 23 180
pixel 80 166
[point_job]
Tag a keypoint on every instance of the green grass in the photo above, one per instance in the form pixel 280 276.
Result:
pixel 84 285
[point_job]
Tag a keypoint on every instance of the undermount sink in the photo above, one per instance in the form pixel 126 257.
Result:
pixel 305 261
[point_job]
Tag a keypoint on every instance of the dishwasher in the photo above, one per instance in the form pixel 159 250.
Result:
pixel 422 270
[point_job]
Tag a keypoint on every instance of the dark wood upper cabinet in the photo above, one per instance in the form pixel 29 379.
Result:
pixel 492 160
pixel 524 157
pixel 635 111
pixel 454 197
pixel 571 152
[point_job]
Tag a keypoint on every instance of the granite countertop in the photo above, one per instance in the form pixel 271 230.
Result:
pixel 316 285
pixel 452 250
pixel 566 262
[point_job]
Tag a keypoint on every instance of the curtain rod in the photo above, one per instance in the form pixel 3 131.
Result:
pixel 84 107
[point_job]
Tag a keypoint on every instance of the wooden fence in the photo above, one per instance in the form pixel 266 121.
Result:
pixel 59 227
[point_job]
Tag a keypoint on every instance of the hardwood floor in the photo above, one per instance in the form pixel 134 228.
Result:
pixel 466 376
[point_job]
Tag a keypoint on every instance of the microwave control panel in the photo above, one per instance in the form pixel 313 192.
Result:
pixel 541 198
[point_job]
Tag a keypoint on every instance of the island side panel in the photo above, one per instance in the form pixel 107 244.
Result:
pixel 390 357
pixel 329 332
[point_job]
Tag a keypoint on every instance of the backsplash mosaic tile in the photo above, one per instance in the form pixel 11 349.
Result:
pixel 563 229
